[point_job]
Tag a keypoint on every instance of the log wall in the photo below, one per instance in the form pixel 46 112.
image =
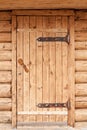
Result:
pixel 5 66
pixel 81 68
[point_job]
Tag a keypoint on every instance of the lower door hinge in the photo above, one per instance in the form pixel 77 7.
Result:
pixel 50 105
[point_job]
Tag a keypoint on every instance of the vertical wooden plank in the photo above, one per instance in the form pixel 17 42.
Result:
pixel 32 67
pixel 14 120
pixel 46 68
pixel 39 67
pixel 19 67
pixel 58 70
pixel 64 66
pixel 26 62
pixel 52 24
pixel 71 73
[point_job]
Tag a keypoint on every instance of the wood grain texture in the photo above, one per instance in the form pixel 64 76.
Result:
pixel 81 45
pixel 32 67
pixel 14 78
pixel 19 68
pixel 71 73
pixel 81 115
pixel 5 65
pixel 39 22
pixel 46 68
pixel 5 55
pixel 64 66
pixel 81 89
pixel 43 12
pixel 5 37
pixel 5 104
pixel 5 15
pixel 81 77
pixel 59 75
pixel 81 36
pixel 81 15
pixel 81 66
pixel 81 55
pixel 80 124
pixel 81 26
pixel 81 102
pixel 5 46
pixel 41 4
pixel 5 26
pixel 5 90
pixel 5 117
pixel 26 62
pixel 5 77
pixel 52 56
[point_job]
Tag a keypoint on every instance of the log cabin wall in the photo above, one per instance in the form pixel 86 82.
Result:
pixel 81 67
pixel 6 67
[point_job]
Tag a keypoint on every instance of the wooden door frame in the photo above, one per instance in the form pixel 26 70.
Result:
pixel 71 58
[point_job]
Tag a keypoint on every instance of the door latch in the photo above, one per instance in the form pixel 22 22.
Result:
pixel 51 105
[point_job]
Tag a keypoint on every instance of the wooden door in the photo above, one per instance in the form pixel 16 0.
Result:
pixel 42 68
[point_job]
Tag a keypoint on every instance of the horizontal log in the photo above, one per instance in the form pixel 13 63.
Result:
pixel 80 36
pixel 5 76
pixel 81 15
pixel 5 90
pixel 81 105
pixel 5 65
pixel 81 66
pixel 81 77
pixel 81 124
pixel 5 104
pixel 81 45
pixel 81 115
pixel 81 99
pixel 5 15
pixel 5 26
pixel 81 89
pixel 81 25
pixel 5 46
pixel 5 37
pixel 81 54
pixel 5 55
pixel 5 126
pixel 81 102
pixel 43 12
pixel 5 117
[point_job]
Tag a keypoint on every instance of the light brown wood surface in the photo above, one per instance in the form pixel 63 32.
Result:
pixel 19 68
pixel 81 103
pixel 39 84
pixel 39 67
pixel 81 66
pixel 81 115
pixel 42 4
pixel 14 78
pixel 71 73
pixel 81 89
pixel 5 26
pixel 5 46
pixel 5 104
pixel 5 90
pixel 5 117
pixel 5 67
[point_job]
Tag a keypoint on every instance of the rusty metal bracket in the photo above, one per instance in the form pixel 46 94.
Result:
pixel 50 105
pixel 54 39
